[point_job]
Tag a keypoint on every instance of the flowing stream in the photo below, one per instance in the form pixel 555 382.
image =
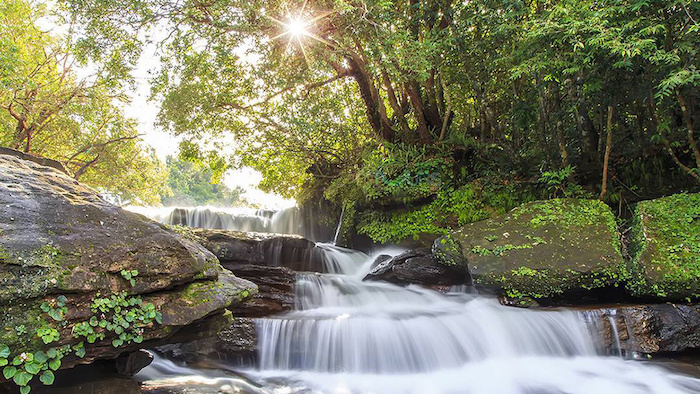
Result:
pixel 350 336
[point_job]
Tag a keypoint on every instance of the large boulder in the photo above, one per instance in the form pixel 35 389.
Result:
pixel 650 329
pixel 665 248
pixel 541 250
pixel 417 266
pixel 81 279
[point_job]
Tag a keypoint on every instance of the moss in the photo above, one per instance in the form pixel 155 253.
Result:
pixel 546 248
pixel 451 208
pixel 665 247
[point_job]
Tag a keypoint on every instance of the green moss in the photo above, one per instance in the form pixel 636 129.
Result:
pixel 451 208
pixel 545 248
pixel 665 247
pixel 569 213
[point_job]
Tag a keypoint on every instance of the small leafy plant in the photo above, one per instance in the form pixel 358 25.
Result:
pixel 129 275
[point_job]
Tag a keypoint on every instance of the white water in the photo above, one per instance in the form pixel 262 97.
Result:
pixel 286 221
pixel 349 336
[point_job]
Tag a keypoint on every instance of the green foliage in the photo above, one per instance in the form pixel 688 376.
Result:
pixel 47 109
pixel 450 208
pixel 558 183
pixel 129 275
pixel 25 366
pixel 192 181
pixel 403 173
pixel 120 315
pixel 665 247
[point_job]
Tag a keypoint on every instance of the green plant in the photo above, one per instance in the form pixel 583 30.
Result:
pixel 25 366
pixel 56 309
pixel 122 316
pixel 560 183
pixel 129 275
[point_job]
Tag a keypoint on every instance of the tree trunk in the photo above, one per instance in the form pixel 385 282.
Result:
pixel 606 160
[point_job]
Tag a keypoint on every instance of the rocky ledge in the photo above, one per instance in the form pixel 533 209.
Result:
pixel 81 279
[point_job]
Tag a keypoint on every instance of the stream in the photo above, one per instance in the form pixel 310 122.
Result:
pixel 349 336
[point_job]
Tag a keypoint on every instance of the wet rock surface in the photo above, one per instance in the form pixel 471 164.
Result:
pixel 235 343
pixel 650 329
pixel 63 246
pixel 417 266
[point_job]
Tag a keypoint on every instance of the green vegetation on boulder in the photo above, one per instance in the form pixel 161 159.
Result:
pixel 665 248
pixel 545 248
pixel 451 207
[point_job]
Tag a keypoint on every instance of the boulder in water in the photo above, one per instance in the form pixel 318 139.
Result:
pixel 83 276
pixel 418 266
pixel 665 248
pixel 544 249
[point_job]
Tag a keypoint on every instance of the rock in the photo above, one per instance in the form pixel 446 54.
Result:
pixel 274 250
pixel 68 258
pixel 268 260
pixel 665 248
pixel 544 249
pixel 276 290
pixel 235 343
pixel 130 364
pixel 34 158
pixel 418 267
pixel 448 252
pixel 382 258
pixel 650 329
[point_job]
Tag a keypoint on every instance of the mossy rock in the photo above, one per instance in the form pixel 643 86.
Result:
pixel 63 247
pixel 544 249
pixel 665 248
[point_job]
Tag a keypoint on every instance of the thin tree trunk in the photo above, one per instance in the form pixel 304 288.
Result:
pixel 606 160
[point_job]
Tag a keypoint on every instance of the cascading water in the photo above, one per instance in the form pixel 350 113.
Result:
pixel 285 221
pixel 350 336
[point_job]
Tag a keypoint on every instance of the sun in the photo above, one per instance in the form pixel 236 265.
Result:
pixel 297 28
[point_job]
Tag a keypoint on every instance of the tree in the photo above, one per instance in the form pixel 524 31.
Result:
pixel 529 83
pixel 48 110
pixel 193 184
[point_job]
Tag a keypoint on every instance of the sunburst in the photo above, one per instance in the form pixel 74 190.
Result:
pixel 298 27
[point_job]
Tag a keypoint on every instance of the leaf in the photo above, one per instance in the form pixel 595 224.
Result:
pixel 55 364
pixel 22 378
pixel 80 352
pixel 47 378
pixel 51 353
pixel 32 368
pixel 25 390
pixel 117 342
pixel 3 362
pixel 8 372
pixel 40 357
pixel 4 351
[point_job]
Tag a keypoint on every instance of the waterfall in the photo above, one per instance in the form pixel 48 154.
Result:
pixel 285 221
pixel 340 225
pixel 349 336
pixel 344 324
